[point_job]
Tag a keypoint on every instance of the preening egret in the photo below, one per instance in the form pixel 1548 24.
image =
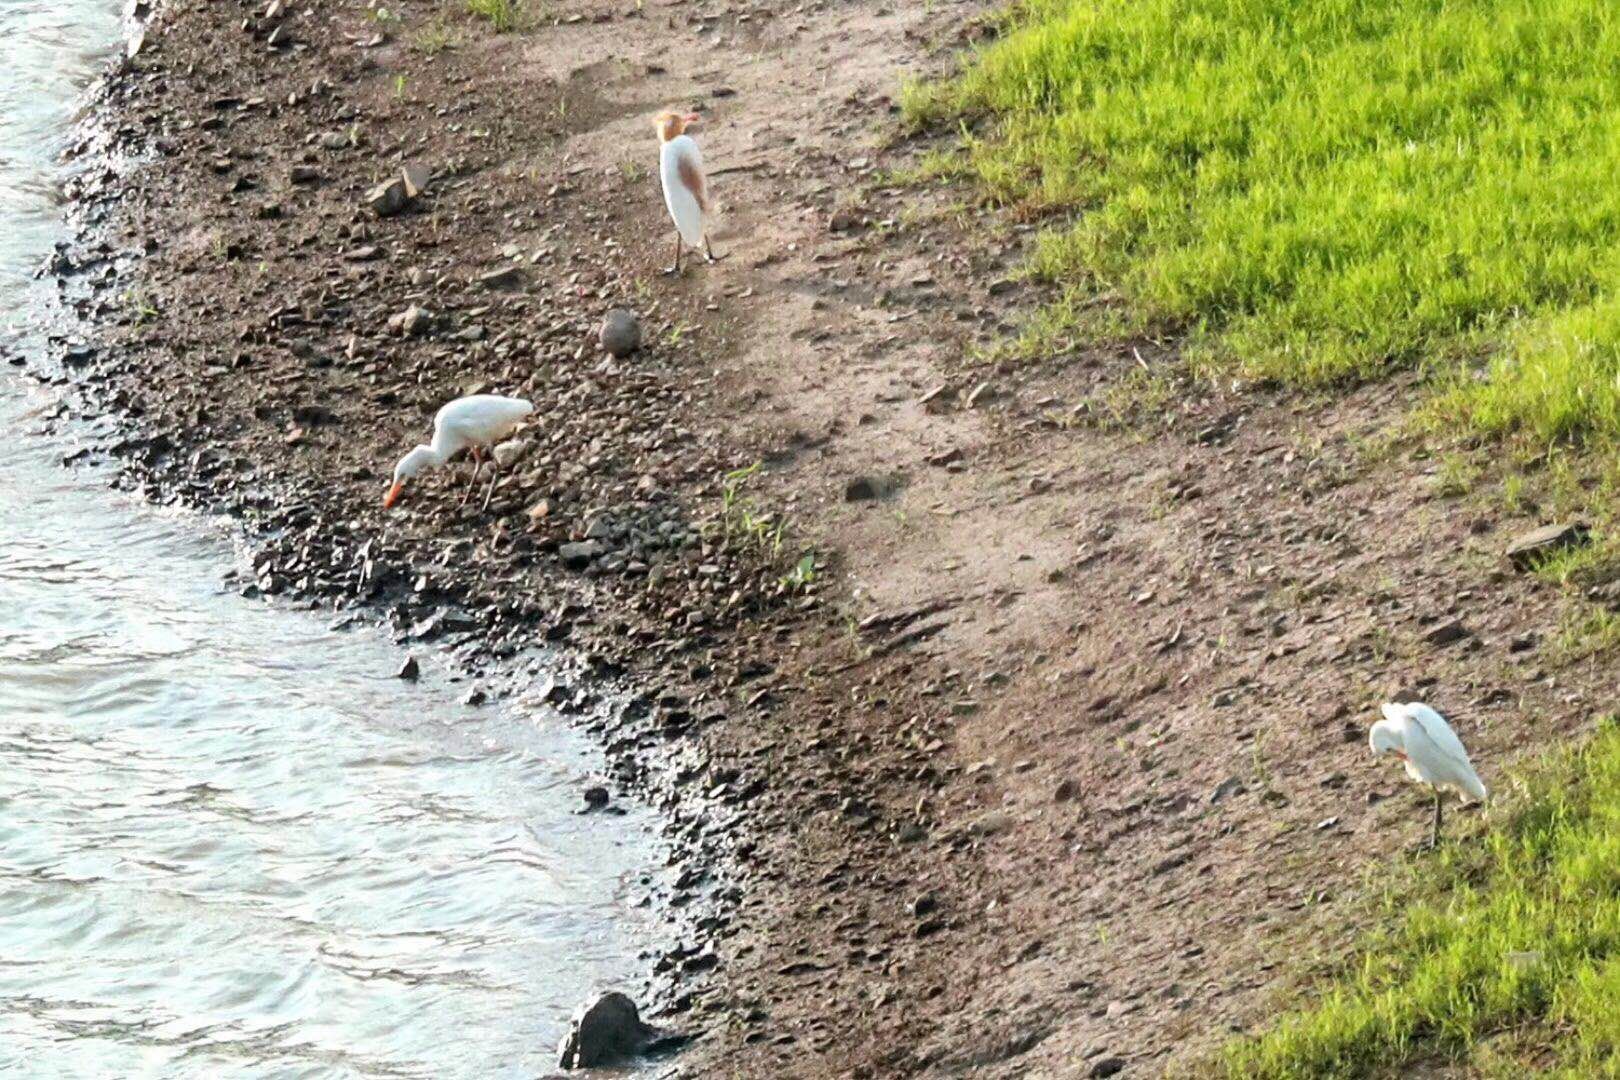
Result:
pixel 686 193
pixel 1433 754
pixel 470 423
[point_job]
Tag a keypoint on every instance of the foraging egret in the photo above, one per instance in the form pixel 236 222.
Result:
pixel 1433 754
pixel 469 423
pixel 686 193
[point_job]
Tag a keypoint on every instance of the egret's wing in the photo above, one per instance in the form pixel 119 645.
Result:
pixel 689 166
pixel 1439 732
pixel 1442 743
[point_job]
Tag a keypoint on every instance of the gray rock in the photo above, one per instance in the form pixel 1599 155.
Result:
pixel 607 1031
pixel 982 394
pixel 304 174
pixel 938 399
pixel 867 488
pixel 388 198
pixel 1528 550
pixel 416 177
pixel 1448 634
pixel 511 452
pixel 621 332
pixel 843 220
pixel 414 321
pixel 1107 1066
pixel 991 823
pixel 596 797
pixel 409 670
pixel 579 556
pixel 502 277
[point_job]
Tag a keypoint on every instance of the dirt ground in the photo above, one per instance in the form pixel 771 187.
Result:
pixel 1056 767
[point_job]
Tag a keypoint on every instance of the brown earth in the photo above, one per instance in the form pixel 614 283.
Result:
pixel 1056 765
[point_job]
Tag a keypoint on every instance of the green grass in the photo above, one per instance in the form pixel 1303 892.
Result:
pixel 1500 952
pixel 1315 191
pixel 502 15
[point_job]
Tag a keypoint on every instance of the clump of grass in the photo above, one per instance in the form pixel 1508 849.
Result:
pixel 1321 191
pixel 1558 382
pixel 434 38
pixel 502 15
pixel 1515 935
pixel 1455 476
pixel 1592 631
pixel 742 522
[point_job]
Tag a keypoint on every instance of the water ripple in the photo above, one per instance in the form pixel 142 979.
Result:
pixel 230 843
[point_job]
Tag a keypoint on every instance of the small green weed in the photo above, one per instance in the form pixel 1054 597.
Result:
pixel 502 15
pixel 742 522
pixel 435 37
pixel 803 574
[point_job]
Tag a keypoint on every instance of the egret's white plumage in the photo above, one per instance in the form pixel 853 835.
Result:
pixel 1431 750
pixel 686 188
pixel 680 160
pixel 467 423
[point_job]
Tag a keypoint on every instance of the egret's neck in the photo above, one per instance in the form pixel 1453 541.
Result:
pixel 422 457
pixel 442 447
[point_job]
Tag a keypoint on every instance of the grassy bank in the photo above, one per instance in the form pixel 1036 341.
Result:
pixel 1317 191
pixel 1501 955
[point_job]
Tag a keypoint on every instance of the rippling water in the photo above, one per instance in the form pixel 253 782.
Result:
pixel 230 843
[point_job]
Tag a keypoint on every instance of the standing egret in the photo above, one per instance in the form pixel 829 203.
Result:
pixel 686 192
pixel 467 423
pixel 1433 754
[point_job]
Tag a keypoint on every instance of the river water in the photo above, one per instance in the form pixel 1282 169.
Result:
pixel 231 844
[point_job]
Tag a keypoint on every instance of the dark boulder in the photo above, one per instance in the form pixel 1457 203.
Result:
pixel 608 1031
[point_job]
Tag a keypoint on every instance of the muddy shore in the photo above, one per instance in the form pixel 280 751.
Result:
pixel 995 738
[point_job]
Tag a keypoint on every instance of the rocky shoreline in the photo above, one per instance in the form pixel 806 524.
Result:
pixel 266 318
pixel 1005 725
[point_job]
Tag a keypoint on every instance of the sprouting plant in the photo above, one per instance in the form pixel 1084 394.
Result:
pixel 435 38
pixel 1257 756
pixel 742 522
pixel 501 14
pixel 1514 496
pixel 399 86
pixel 1455 476
pixel 141 309
pixel 802 575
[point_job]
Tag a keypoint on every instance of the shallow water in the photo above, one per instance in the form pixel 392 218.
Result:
pixel 231 844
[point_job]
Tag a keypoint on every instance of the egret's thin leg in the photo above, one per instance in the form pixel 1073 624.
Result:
pixel 677 267
pixel 708 252
pixel 494 474
pixel 472 481
pixel 1434 838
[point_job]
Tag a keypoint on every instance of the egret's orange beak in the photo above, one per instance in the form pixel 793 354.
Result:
pixel 393 494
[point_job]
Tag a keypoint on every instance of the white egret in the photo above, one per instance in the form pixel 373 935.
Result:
pixel 686 193
pixel 1433 754
pixel 470 423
